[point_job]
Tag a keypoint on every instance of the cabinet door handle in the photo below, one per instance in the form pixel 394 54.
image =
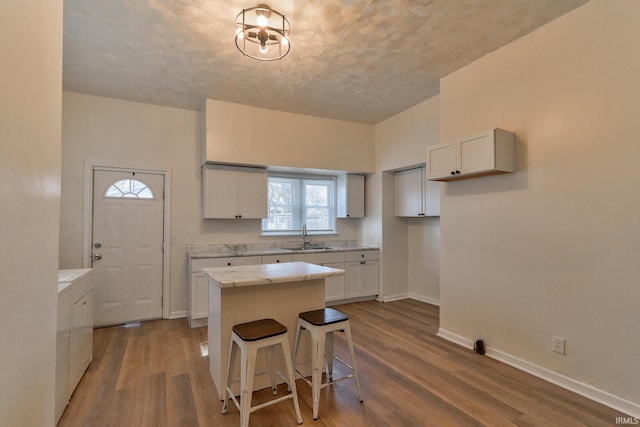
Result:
pixel 457 172
pixel 229 264
pixel 453 172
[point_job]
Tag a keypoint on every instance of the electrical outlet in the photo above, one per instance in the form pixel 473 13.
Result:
pixel 557 345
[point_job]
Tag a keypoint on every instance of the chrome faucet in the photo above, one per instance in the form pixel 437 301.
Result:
pixel 305 243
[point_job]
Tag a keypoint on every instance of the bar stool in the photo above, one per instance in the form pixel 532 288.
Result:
pixel 322 324
pixel 248 338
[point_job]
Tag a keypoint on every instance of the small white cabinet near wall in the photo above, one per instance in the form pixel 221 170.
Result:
pixel 350 196
pixel 487 153
pixel 334 286
pixel 234 192
pixel 415 196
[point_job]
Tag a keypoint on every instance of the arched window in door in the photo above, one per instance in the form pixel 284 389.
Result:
pixel 129 189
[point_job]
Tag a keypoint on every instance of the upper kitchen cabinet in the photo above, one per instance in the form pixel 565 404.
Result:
pixel 234 192
pixel 488 153
pixel 415 196
pixel 350 196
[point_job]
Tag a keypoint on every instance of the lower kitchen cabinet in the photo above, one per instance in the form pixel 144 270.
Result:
pixel 81 338
pixel 361 274
pixel 360 279
pixel 63 351
pixel 74 341
pixel 198 286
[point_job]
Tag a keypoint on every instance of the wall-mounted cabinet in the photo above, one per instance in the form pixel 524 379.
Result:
pixel 415 196
pixel 487 153
pixel 350 196
pixel 234 192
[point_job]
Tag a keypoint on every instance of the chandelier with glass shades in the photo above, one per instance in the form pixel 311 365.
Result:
pixel 262 33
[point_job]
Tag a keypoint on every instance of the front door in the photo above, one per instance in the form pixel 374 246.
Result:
pixel 127 252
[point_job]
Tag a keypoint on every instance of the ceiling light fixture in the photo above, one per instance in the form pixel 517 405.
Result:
pixel 262 33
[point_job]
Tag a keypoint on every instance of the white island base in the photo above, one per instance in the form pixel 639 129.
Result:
pixel 246 293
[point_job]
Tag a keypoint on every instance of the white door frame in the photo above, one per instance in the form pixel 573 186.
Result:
pixel 87 237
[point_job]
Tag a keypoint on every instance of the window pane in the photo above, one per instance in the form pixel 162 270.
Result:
pixel 128 189
pixel 317 195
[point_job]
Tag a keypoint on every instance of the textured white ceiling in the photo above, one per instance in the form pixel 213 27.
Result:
pixel 357 60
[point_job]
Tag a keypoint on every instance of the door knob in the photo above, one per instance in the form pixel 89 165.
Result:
pixel 97 256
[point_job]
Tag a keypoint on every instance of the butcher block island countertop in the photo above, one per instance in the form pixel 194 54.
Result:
pixel 245 293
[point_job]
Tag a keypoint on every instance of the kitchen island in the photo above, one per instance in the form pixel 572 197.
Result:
pixel 250 292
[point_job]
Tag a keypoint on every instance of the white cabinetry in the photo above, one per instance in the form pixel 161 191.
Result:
pixel 63 351
pixel 487 153
pixel 350 196
pixel 234 192
pixel 334 285
pixel 415 196
pixel 198 286
pixel 81 338
pixel 74 341
pixel 361 273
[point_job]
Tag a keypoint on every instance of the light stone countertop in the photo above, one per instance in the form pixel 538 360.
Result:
pixel 264 274
pixel 196 251
pixel 66 277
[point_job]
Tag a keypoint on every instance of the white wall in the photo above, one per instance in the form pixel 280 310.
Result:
pixel 30 91
pixel 237 133
pixel 410 257
pixel 553 248
pixel 122 132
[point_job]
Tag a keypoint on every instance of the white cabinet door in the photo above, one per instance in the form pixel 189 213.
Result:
pixel 232 192
pixel 353 279
pixel 441 160
pixel 200 300
pixel 415 196
pixel 253 194
pixel 350 196
pixel 408 187
pixel 334 285
pixel 370 278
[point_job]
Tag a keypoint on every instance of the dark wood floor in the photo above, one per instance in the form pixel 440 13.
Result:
pixel 154 375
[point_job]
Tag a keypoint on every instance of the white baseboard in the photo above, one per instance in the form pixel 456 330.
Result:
pixel 177 314
pixel 388 298
pixel 586 390
pixel 428 300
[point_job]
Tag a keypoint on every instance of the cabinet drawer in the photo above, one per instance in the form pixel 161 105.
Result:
pixel 80 359
pixel 361 256
pixel 320 258
pixel 80 287
pixel 82 320
pixel 198 264
pixel 273 259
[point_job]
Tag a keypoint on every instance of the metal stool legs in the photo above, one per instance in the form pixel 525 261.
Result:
pixel 321 325
pixel 268 336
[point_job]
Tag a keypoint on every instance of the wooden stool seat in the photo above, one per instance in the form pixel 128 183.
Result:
pixel 324 316
pixel 321 325
pixel 259 329
pixel 248 338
